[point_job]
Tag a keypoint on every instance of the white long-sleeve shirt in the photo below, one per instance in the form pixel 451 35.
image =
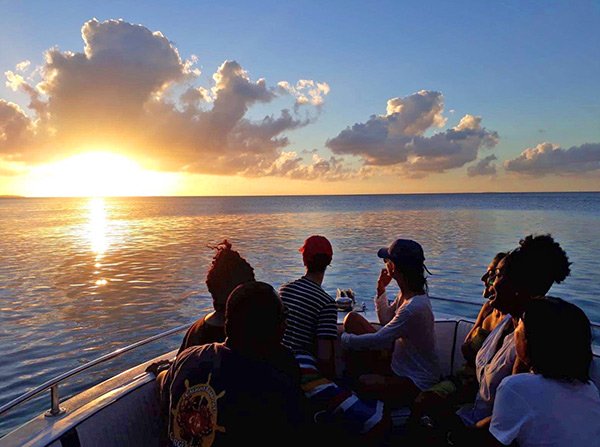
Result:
pixel 411 331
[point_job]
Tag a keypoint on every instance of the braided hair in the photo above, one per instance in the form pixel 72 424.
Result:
pixel 227 271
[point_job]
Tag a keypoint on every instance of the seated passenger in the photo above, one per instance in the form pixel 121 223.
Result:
pixel 245 389
pixel 312 319
pixel 487 319
pixel 462 386
pixel 408 327
pixel 227 271
pixel 556 404
pixel 526 272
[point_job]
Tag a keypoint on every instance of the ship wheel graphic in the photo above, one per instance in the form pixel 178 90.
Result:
pixel 195 416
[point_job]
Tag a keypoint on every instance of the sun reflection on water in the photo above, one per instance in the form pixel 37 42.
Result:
pixel 98 226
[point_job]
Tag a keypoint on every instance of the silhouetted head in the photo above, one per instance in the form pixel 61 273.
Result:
pixel 528 271
pixel 405 257
pixel 317 253
pixel 227 271
pixel 254 317
pixel 554 338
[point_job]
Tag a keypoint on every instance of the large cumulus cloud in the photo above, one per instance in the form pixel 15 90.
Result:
pixel 547 158
pixel 399 138
pixel 130 90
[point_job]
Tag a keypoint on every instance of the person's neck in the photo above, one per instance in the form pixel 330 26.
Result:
pixel 316 277
pixel 405 293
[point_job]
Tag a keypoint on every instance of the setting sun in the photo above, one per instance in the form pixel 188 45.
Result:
pixel 98 174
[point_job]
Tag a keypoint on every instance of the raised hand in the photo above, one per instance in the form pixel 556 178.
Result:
pixel 383 281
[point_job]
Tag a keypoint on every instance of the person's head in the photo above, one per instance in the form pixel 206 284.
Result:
pixel 554 338
pixel 254 317
pixel 488 276
pixel 404 260
pixel 227 271
pixel 526 272
pixel 316 254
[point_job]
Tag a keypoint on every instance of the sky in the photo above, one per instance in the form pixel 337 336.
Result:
pixel 262 98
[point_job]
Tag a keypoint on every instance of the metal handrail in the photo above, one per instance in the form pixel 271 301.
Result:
pixel 53 383
pixel 473 303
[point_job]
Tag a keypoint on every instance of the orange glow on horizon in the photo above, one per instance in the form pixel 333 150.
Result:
pixel 97 174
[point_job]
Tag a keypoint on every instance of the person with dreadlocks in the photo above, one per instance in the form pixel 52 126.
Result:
pixel 227 271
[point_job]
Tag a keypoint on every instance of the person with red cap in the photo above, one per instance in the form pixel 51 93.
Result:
pixel 312 317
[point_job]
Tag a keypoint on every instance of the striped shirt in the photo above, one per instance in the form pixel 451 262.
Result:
pixel 312 314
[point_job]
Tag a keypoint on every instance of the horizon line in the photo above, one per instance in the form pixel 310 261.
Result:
pixel 13 196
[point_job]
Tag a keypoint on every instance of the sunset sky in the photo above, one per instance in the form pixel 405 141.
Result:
pixel 260 98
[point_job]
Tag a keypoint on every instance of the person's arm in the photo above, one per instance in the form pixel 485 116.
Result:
pixel 484 312
pixel 326 357
pixel 510 416
pixel 327 334
pixel 384 337
pixel 385 310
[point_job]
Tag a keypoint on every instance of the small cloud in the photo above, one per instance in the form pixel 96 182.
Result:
pixel 306 91
pixel 547 158
pixel 23 66
pixel 483 167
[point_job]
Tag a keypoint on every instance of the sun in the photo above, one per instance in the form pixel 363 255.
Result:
pixel 98 174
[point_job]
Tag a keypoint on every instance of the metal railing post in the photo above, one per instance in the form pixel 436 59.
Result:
pixel 55 408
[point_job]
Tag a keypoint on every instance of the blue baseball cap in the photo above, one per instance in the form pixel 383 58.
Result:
pixel 404 251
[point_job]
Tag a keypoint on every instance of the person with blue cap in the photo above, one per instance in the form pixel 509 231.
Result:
pixel 407 329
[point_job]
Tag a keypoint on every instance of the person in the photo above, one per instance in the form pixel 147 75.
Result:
pixel 312 319
pixel 556 404
pixel 408 326
pixel 227 270
pixel 524 273
pixel 487 319
pixel 462 387
pixel 248 387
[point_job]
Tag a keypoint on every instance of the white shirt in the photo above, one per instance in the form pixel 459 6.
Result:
pixel 536 411
pixel 493 363
pixel 411 330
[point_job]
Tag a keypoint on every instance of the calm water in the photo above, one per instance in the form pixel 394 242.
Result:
pixel 82 277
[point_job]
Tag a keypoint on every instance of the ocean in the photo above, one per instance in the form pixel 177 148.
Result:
pixel 82 277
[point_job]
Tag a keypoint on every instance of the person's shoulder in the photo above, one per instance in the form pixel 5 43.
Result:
pixel 522 382
pixel 290 284
pixel 209 349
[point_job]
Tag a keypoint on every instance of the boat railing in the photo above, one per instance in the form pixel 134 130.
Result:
pixel 52 384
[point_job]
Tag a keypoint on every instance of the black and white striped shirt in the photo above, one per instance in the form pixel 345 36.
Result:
pixel 312 314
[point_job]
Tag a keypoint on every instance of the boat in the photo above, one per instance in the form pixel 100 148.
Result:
pixel 124 410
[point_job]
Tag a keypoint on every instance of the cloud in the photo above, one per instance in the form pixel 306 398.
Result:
pixel 547 158
pixel 483 167
pixel 130 91
pixel 23 66
pixel 14 129
pixel 306 91
pixel 332 169
pixel 398 137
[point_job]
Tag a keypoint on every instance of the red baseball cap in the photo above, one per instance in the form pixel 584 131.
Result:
pixel 315 245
